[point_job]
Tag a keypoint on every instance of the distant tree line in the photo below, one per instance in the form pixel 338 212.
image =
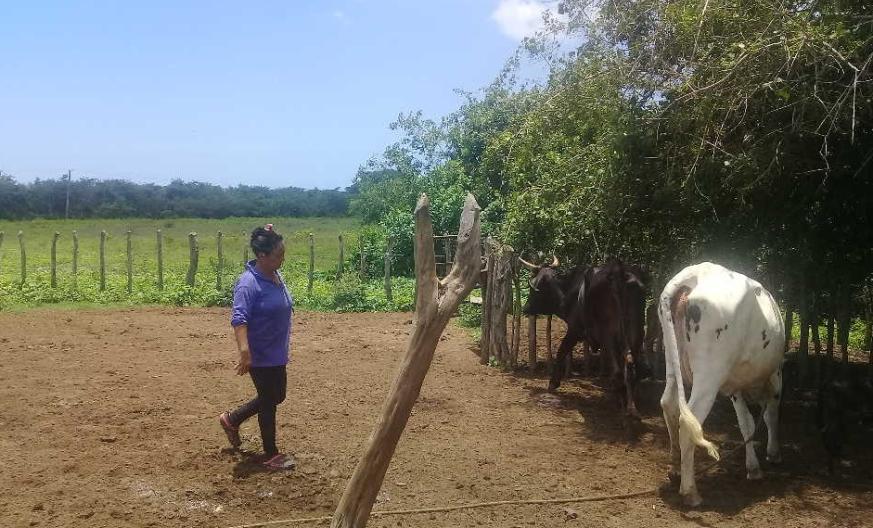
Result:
pixel 91 198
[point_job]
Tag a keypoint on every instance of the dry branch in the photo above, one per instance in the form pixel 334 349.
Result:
pixel 436 302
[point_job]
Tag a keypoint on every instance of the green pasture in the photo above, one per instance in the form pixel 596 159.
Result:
pixel 347 293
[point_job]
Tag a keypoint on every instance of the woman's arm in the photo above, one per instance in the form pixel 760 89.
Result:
pixel 242 343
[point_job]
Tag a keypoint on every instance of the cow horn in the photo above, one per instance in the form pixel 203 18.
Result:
pixel 555 262
pixel 528 265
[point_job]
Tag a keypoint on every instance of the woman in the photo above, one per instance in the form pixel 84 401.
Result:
pixel 261 321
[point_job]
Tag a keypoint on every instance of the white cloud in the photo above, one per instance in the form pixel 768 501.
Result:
pixel 341 16
pixel 519 18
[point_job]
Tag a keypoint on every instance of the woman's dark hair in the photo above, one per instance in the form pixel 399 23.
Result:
pixel 264 240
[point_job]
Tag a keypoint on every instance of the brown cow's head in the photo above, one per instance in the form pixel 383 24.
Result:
pixel 546 296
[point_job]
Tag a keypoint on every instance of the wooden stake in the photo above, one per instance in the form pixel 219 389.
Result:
pixel 342 256
pixel 54 260
pixel 516 313
pixel 220 264
pixel 487 292
pixel 437 301
pixel 193 259
pixel 160 260
pixel 103 260
pixel 311 264
pixel 532 342
pixel 129 262
pixel 23 257
pixel 75 258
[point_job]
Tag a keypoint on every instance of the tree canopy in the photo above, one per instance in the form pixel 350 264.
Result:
pixel 667 132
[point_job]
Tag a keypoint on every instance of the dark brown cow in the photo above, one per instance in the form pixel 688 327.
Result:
pixel 603 305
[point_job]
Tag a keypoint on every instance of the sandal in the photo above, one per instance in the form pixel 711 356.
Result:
pixel 279 462
pixel 229 430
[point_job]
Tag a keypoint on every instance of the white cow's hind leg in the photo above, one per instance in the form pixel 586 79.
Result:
pixel 747 428
pixel 702 397
pixel 771 417
pixel 670 406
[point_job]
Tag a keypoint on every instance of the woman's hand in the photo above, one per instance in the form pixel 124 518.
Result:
pixel 245 362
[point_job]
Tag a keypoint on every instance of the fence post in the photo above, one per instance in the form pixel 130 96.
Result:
pixel 789 326
pixel 220 261
pixel 549 356
pixel 342 257
pixel 448 252
pixel 487 293
pixel 193 257
pixel 516 312
pixel 160 236
pixel 129 262
pixel 75 258
pixel 245 250
pixel 103 260
pixel 54 260
pixel 311 275
pixel 388 256
pixel 532 342
pixel 23 257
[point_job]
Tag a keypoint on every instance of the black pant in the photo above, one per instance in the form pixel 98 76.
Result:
pixel 271 383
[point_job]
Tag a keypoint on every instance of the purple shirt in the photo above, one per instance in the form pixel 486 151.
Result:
pixel 267 309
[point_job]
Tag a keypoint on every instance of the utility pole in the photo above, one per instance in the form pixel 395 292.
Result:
pixel 69 179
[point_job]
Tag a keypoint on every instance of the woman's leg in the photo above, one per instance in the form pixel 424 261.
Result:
pixel 270 383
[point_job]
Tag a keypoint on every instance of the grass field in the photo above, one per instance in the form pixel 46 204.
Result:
pixel 327 292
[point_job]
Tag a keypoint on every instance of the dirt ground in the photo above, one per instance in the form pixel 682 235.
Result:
pixel 108 419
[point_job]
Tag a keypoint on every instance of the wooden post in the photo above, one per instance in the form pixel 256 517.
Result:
pixel 447 247
pixel 500 295
pixel 487 292
pixel 129 261
pixel 160 260
pixel 220 264
pixel 437 301
pixel 103 260
pixel 342 256
pixel 549 356
pixel 23 257
pixel 75 258
pixel 54 260
pixel 311 264
pixel 516 312
pixel 388 256
pixel 245 250
pixel 193 258
pixel 532 342
pixel 830 338
pixel 789 326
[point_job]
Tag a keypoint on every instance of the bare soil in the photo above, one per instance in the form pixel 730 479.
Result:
pixel 108 419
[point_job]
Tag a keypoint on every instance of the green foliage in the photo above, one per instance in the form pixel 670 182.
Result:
pixel 470 315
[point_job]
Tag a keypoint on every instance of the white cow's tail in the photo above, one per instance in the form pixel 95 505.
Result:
pixel 688 423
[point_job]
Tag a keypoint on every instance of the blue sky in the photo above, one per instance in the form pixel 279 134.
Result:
pixel 270 93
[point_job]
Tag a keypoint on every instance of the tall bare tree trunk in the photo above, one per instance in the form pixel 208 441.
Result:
pixel 437 301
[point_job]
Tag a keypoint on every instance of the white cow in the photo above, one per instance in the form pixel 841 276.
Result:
pixel 723 332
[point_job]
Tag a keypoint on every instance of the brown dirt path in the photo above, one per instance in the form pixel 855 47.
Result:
pixel 108 419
